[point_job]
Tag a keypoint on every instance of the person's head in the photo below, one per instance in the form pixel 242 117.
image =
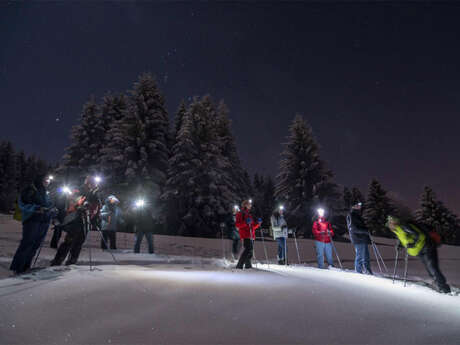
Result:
pixel 321 213
pixel 277 213
pixel 113 200
pixel 392 222
pixel 41 181
pixel 357 207
pixel 89 182
pixel 246 204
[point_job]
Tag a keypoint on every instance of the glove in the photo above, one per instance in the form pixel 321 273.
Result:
pixel 248 220
pixel 259 220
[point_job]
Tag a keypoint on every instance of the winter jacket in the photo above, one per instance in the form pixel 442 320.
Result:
pixel 359 234
pixel 322 230
pixel 279 227
pixel 111 216
pixel 143 220
pixel 247 231
pixel 31 200
pixel 411 237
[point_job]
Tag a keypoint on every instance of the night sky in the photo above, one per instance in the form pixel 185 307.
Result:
pixel 378 82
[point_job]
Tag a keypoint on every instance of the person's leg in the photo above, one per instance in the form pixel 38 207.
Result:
pixel 319 253
pixel 77 243
pixel 248 263
pixel 243 255
pixel 429 257
pixel 39 237
pixel 63 249
pixel 366 259
pixel 149 237
pixel 56 236
pixel 329 257
pixel 359 258
pixel 137 245
pixel 113 240
pixel 279 240
pixel 18 264
pixel 104 239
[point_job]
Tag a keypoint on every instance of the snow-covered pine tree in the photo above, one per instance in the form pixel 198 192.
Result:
pixel 83 156
pixel 178 118
pixel 302 173
pixel 199 179
pixel 21 171
pixel 377 209
pixel 8 189
pixel 146 139
pixel 357 196
pixel 113 109
pixel 435 216
pixel 228 150
pixel 347 198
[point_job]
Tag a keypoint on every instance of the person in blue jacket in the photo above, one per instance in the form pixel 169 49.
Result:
pixel 36 213
pixel 111 218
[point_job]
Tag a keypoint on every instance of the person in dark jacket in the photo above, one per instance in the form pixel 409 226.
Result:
pixel 36 213
pixel 82 216
pixel 143 225
pixel 234 234
pixel 359 236
pixel 246 226
pixel 418 242
pixel 111 218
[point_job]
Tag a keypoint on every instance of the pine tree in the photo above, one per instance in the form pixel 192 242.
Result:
pixel 199 182
pixel 8 177
pixel 229 152
pixel 146 127
pixel 87 141
pixel 436 216
pixel 21 171
pixel 113 160
pixel 357 196
pixel 178 118
pixel 377 209
pixel 347 198
pixel 303 182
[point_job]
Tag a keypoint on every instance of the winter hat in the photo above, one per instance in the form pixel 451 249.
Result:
pixel 114 198
pixel 245 202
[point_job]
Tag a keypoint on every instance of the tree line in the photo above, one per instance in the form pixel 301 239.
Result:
pixel 190 172
pixel 17 170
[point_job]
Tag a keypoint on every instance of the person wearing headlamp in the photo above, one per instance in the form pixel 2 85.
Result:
pixel 247 226
pixel 322 231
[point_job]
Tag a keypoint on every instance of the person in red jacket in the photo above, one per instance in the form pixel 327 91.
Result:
pixel 247 226
pixel 322 231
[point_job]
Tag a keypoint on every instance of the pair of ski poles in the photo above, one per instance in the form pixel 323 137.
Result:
pixel 378 256
pixel 406 261
pixel 335 250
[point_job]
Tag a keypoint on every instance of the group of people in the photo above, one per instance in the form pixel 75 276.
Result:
pixel 75 213
pixel 417 241
pixel 80 211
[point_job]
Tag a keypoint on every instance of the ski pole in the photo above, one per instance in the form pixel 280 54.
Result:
pixel 296 246
pixel 405 268
pixel 381 258
pixel 376 257
pixel 222 225
pixel 263 243
pixel 107 245
pixel 396 263
pixel 335 250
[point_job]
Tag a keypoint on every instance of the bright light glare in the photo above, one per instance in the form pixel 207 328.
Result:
pixel 140 203
pixel 66 190
pixel 250 200
pixel 97 179
pixel 321 212
pixel 236 207
pixel 51 177
pixel 281 208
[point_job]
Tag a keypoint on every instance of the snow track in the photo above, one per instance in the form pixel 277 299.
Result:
pixel 189 304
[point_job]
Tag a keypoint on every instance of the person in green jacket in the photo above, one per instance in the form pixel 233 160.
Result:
pixel 419 243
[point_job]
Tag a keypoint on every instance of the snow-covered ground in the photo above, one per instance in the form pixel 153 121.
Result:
pixel 195 299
